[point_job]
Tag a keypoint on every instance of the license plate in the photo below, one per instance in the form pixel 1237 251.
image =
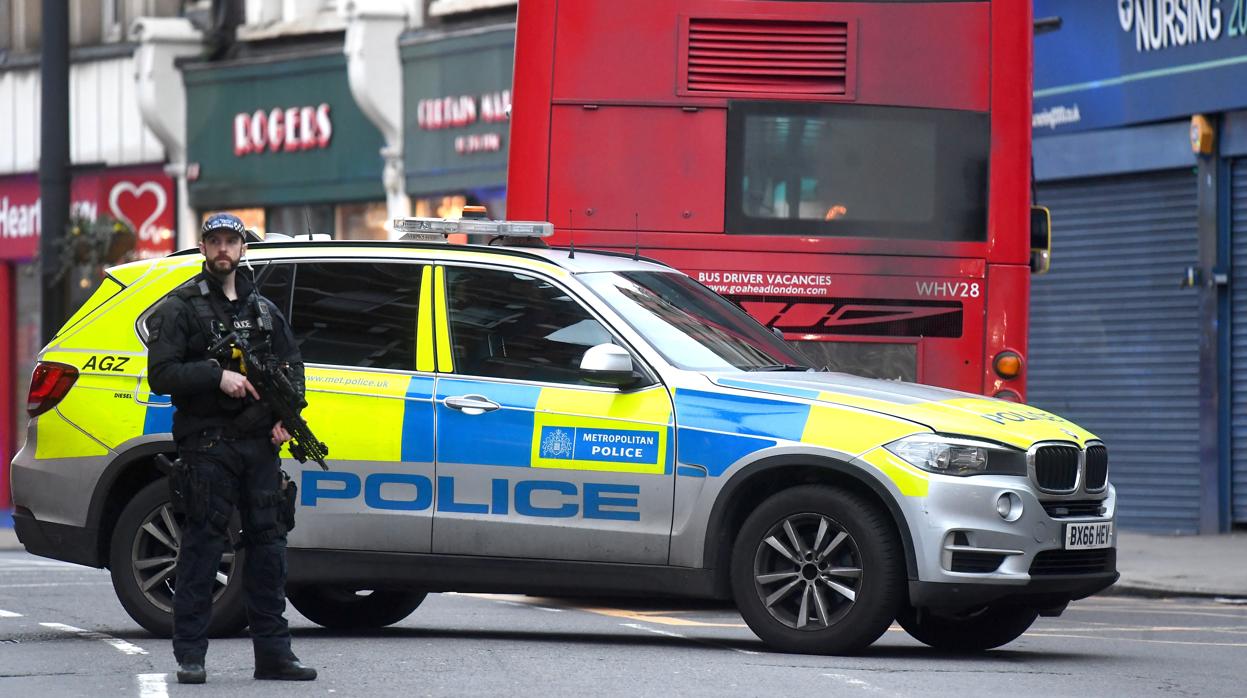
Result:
pixel 1088 536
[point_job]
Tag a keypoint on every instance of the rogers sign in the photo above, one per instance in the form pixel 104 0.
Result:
pixel 282 129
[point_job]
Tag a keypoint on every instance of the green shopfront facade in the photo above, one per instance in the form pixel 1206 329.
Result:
pixel 281 141
pixel 456 113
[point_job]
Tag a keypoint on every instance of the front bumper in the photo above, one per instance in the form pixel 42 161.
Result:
pixel 967 554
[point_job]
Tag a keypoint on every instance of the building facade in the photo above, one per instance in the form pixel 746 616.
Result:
pixel 117 175
pixel 1139 332
pixel 328 116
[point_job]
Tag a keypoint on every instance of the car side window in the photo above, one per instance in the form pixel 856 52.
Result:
pixel 360 314
pixel 512 325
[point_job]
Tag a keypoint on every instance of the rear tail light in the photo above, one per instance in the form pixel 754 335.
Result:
pixel 48 385
pixel 1010 395
pixel 1008 364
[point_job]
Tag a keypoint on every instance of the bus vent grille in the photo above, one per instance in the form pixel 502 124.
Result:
pixel 806 58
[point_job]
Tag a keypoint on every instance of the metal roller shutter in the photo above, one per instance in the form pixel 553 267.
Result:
pixel 1114 343
pixel 1238 336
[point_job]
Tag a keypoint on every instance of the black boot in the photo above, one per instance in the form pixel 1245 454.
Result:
pixel 192 671
pixel 282 669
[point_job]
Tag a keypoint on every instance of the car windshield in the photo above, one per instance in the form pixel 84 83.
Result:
pixel 693 327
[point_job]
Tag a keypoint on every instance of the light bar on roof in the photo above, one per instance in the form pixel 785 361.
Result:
pixel 425 228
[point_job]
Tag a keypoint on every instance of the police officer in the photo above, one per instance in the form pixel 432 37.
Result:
pixel 229 443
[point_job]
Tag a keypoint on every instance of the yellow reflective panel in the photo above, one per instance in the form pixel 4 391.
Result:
pixel 57 438
pixel 358 414
pixel 850 431
pixel 103 404
pixel 1006 422
pixel 601 431
pixel 424 327
pixel 911 481
pixel 445 358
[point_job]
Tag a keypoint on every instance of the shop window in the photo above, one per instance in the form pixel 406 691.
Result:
pixel 360 314
pixel 299 220
pixel 363 221
pixel 510 325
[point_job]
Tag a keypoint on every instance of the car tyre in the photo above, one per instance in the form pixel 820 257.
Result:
pixel 142 556
pixel 818 570
pixel 983 629
pixel 339 608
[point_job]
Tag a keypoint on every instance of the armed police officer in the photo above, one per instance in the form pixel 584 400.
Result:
pixel 228 443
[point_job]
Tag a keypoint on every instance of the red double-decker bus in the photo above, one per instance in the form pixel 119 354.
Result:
pixel 853 174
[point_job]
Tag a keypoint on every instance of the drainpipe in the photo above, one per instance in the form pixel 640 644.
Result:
pixel 162 101
pixel 375 74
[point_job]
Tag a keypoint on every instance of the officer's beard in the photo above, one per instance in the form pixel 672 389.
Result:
pixel 222 266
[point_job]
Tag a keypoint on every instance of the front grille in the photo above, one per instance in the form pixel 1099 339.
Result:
pixel 1097 468
pixel 1050 562
pixel 968 561
pixel 1056 468
pixel 1068 510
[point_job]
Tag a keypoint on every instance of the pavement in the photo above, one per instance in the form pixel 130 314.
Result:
pixel 1212 566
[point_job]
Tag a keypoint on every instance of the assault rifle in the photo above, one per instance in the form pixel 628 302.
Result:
pixel 270 379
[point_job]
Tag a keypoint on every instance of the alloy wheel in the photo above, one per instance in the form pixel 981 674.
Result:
pixel 154 555
pixel 807 571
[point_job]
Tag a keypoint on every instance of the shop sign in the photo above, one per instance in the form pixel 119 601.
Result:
pixel 278 129
pixel 141 198
pixel 457 93
pixel 456 112
pixel 278 133
pixel 1134 61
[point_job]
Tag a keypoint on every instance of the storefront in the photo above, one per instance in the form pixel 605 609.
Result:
pixel 457 103
pixel 139 198
pixel 1134 334
pixel 282 142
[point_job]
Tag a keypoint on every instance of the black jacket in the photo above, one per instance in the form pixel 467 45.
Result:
pixel 179 365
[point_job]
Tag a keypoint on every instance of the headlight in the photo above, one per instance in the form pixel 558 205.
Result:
pixel 949 455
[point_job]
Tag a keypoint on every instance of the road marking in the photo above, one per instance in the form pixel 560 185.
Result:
pixel 153 686
pixel 511 600
pixel 659 617
pixel 42 563
pixel 855 683
pixel 55 584
pixel 1032 633
pixel 117 643
pixel 668 633
pixel 9 614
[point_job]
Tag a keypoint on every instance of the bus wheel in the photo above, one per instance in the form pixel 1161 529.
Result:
pixel 142 558
pixel 983 629
pixel 817 570
pixel 340 608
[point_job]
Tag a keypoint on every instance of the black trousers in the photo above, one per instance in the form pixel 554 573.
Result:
pixel 229 473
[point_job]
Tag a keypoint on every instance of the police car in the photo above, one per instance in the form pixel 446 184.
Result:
pixel 524 419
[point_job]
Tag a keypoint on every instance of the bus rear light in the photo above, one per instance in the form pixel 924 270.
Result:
pixel 1008 364
pixel 1009 395
pixel 49 384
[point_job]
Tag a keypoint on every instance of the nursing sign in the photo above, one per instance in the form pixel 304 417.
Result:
pixel 1133 61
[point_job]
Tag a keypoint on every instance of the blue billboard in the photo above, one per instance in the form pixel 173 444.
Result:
pixel 1117 62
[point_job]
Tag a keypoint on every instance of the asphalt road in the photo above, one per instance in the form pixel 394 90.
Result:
pixel 63 633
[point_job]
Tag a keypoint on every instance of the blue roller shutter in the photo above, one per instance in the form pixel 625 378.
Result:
pixel 1114 343
pixel 1238 335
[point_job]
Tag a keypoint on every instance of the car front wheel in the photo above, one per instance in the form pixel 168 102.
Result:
pixel 346 609
pixel 982 629
pixel 818 570
pixel 143 559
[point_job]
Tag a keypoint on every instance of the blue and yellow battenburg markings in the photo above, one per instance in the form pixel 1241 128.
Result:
pixel 718 429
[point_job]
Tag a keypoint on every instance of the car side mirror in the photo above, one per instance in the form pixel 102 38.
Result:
pixel 608 364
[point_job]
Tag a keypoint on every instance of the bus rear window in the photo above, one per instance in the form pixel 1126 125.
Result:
pixel 845 170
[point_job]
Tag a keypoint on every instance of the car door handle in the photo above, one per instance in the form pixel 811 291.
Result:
pixel 471 404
